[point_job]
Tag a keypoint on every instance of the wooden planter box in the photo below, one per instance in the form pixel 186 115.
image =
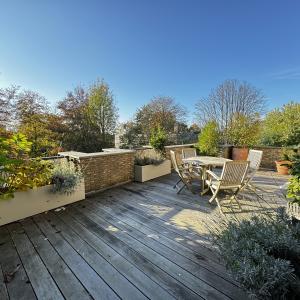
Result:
pixel 35 201
pixel 145 173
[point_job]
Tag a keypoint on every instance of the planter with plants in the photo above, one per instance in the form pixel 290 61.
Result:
pixel 283 165
pixel 293 193
pixel 263 254
pixel 243 132
pixel 147 168
pixel 31 186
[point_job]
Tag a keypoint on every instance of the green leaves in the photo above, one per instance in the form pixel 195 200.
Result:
pixel 263 255
pixel 209 139
pixel 158 139
pixel 18 172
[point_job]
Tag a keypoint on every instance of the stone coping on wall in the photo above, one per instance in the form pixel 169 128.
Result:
pixel 106 152
pixel 179 146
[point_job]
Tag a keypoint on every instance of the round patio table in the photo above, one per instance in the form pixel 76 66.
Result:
pixel 206 162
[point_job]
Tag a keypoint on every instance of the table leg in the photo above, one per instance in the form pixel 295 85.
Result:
pixel 204 190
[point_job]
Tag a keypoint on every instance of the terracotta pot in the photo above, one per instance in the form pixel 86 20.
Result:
pixel 281 166
pixel 240 153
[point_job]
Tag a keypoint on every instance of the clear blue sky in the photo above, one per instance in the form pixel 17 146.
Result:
pixel 146 48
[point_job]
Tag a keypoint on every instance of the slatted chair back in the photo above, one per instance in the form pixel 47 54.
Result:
pixel 254 157
pixel 174 162
pixel 234 173
pixel 189 152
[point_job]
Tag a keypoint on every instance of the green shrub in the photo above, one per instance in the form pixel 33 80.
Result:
pixel 282 126
pixel 209 138
pixel 263 254
pixel 294 182
pixel 158 140
pixel 244 131
pixel 65 177
pixel 144 161
pixel 18 172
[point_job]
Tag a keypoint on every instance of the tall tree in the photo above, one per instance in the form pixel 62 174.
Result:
pixel 227 100
pixel 72 110
pixel 161 112
pixel 7 103
pixel 101 110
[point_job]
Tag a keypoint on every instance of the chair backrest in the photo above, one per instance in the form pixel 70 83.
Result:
pixel 174 161
pixel 189 152
pixel 234 172
pixel 254 157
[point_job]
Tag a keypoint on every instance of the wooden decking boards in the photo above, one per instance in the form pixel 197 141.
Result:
pixel 137 241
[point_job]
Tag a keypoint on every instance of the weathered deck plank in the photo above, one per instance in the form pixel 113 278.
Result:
pixel 67 282
pixel 136 241
pixel 18 285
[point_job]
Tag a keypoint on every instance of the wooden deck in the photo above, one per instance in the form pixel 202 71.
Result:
pixel 136 241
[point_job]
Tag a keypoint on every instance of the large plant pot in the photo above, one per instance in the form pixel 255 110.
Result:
pixel 35 201
pixel 145 173
pixel 240 153
pixel 282 166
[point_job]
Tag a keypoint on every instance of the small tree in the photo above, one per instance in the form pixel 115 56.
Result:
pixel 209 138
pixel 282 126
pixel 158 140
pixel 101 109
pixel 244 130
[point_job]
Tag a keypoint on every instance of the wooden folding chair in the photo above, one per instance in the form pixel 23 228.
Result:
pixel 183 172
pixel 231 179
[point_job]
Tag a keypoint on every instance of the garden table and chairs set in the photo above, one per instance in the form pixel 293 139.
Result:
pixel 235 175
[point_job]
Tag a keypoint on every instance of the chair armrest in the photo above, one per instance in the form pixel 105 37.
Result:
pixel 212 174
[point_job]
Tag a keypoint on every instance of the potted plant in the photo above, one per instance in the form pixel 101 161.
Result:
pixel 147 168
pixel 283 165
pixel 31 186
pixel 293 193
pixel 243 132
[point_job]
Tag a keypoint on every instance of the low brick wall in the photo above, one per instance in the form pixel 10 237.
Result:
pixel 105 169
pixel 270 154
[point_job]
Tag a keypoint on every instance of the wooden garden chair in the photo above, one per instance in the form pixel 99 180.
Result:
pixel 231 179
pixel 189 152
pixel 183 171
pixel 254 159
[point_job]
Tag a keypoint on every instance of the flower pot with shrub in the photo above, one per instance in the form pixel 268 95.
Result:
pixel 283 165
pixel 243 132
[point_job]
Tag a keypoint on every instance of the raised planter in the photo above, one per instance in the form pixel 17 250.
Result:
pixel 293 209
pixel 35 201
pixel 282 166
pixel 148 172
pixel 240 153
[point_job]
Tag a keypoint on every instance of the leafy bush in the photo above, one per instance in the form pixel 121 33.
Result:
pixel 294 183
pixel 18 172
pixel 144 161
pixel 65 177
pixel 209 138
pixel 263 254
pixel 158 139
pixel 282 126
pixel 244 130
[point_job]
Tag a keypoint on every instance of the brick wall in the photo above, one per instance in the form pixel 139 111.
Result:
pixel 105 169
pixel 270 154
